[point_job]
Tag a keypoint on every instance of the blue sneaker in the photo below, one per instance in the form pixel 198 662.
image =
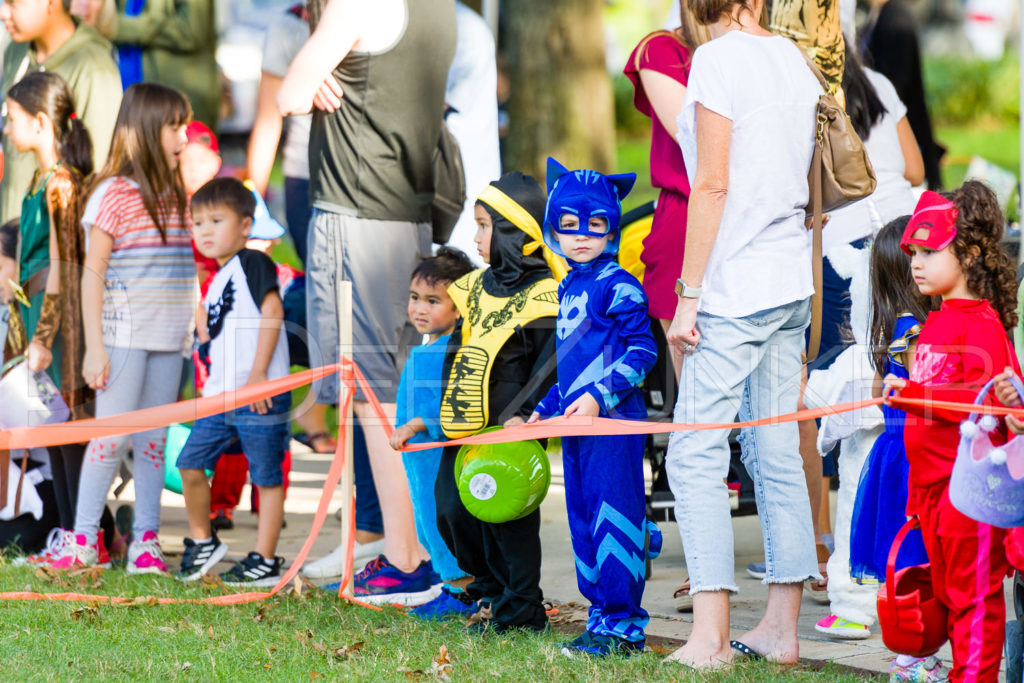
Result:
pixel 450 603
pixel 435 578
pixel 596 645
pixel 381 584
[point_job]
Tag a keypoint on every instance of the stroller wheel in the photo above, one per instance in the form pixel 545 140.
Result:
pixel 1013 649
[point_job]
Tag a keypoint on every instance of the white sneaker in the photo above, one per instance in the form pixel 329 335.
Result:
pixel 146 556
pixel 55 542
pixel 334 564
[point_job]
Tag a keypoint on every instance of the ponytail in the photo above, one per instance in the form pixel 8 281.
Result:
pixel 44 92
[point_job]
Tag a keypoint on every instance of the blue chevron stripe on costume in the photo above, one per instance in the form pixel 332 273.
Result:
pixel 621 522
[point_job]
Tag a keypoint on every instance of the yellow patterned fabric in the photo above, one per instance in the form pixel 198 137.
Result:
pixel 898 347
pixel 814 26
pixel 488 322
pixel 521 218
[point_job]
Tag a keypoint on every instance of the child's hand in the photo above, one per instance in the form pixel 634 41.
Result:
pixel 400 436
pixel 262 406
pixel 1015 425
pixel 39 357
pixel 586 406
pixel 534 417
pixel 891 387
pixel 1005 392
pixel 96 367
pixel 514 422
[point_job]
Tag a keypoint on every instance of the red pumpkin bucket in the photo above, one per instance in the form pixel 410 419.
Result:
pixel 912 619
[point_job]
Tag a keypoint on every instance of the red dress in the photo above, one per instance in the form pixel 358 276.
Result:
pixel 663 248
pixel 961 346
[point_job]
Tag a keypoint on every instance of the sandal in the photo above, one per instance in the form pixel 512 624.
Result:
pixel 684 601
pixel 322 443
pixel 818 590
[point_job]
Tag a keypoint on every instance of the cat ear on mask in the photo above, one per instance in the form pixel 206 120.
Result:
pixel 623 183
pixel 554 171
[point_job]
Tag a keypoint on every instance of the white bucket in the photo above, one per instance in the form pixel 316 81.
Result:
pixel 29 399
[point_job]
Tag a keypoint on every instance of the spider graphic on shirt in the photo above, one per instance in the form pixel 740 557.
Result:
pixel 218 312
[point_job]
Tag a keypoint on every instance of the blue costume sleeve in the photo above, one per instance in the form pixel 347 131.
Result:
pixel 550 405
pixel 628 307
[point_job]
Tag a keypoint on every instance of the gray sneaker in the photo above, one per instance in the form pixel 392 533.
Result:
pixel 756 570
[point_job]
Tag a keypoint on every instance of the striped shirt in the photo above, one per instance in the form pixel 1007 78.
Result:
pixel 148 299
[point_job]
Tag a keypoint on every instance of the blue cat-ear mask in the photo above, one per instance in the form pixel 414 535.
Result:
pixel 585 194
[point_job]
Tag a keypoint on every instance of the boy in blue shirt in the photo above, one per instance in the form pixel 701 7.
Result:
pixel 605 349
pixel 418 419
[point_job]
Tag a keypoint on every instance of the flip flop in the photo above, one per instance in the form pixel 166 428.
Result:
pixel 746 651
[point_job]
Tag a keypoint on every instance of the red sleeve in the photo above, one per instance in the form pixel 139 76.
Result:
pixel 985 352
pixel 661 52
pixel 108 217
pixel 206 268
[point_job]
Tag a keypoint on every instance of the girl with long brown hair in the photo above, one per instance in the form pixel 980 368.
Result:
pixel 137 302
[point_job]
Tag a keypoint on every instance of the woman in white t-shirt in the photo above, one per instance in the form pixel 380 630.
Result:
pixel 746 131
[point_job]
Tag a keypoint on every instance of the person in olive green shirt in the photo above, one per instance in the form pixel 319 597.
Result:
pixel 178 40
pixel 47 38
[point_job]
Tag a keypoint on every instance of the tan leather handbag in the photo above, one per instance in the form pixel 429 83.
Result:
pixel 840 174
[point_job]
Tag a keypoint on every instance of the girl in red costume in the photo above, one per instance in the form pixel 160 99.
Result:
pixel 955 254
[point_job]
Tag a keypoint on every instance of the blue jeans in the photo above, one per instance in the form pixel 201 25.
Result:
pixel 421 471
pixel 264 440
pixel 750 366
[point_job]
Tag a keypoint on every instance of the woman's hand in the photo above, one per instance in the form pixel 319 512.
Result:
pixel 891 387
pixel 682 334
pixel 96 367
pixel 39 357
pixel 585 406
pixel 328 95
pixel 513 422
pixel 534 418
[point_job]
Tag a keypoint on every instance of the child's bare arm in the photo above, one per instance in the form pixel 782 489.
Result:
pixel 271 318
pixel 402 434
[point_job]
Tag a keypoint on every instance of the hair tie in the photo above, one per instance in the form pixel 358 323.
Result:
pixel 73 116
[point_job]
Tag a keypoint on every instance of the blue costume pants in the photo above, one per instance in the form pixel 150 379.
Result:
pixel 604 493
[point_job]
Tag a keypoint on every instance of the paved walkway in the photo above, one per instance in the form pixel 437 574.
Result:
pixel 558 575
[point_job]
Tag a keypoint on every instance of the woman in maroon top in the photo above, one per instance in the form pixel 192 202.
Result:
pixel 658 69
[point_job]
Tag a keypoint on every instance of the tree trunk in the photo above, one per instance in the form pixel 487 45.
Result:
pixel 560 102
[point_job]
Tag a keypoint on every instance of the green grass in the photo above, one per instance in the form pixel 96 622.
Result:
pixel 309 637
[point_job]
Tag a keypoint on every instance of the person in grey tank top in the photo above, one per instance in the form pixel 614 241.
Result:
pixel 375 73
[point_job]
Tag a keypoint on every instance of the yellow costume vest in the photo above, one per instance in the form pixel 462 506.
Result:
pixel 488 322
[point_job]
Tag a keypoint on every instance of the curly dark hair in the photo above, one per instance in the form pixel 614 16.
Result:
pixel 989 270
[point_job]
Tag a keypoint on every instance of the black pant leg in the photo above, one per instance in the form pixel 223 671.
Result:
pixel 462 532
pixel 513 555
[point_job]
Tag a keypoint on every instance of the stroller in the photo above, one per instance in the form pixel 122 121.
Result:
pixel 1013 646
pixel 660 388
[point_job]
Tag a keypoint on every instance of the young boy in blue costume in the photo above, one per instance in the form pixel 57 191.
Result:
pixel 418 418
pixel 605 349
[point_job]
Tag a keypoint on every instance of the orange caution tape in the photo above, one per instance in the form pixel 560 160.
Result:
pixel 81 431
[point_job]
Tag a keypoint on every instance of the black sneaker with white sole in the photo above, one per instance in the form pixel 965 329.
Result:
pixel 200 558
pixel 253 570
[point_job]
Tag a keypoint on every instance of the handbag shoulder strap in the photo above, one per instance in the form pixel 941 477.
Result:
pixel 815 70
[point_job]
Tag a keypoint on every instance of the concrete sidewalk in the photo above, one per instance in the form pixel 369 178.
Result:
pixel 558 573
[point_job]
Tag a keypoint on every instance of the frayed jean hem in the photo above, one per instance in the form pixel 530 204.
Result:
pixel 808 577
pixel 730 587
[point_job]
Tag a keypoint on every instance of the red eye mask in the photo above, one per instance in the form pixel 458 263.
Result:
pixel 936 217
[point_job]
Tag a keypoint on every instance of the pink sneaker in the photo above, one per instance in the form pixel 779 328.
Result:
pixel 55 542
pixel 76 553
pixel 146 556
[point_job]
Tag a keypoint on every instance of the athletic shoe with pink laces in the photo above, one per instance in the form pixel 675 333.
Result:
pixel 77 553
pixel 146 556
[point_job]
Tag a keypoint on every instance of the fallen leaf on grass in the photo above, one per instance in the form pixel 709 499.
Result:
pixel 186 666
pixel 213 581
pixel 313 675
pixel 261 614
pixel 301 587
pixel 304 636
pixel 658 649
pixel 412 674
pixel 441 667
pixel 165 629
pixel 141 601
pixel 349 650
pixel 209 631
pixel 91 576
pixel 52 575
pixel 88 611
pixel 482 614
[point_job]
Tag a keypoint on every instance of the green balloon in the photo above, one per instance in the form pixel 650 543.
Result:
pixel 502 482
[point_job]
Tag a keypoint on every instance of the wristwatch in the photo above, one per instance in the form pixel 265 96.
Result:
pixel 686 292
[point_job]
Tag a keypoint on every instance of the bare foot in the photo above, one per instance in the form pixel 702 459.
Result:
pixel 702 656
pixel 773 646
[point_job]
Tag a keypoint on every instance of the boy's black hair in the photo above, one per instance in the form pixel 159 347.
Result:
pixel 9 238
pixel 447 265
pixel 229 192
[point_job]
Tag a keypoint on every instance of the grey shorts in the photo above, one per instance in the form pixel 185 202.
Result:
pixel 377 257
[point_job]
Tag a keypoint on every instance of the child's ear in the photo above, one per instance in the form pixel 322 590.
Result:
pixel 554 171
pixel 623 183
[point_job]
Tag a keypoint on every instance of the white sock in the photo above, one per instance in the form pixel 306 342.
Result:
pixel 201 541
pixel 268 562
pixel 907 660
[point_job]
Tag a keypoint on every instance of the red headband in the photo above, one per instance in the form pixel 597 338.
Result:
pixel 936 216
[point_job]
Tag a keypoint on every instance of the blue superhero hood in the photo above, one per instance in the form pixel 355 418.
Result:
pixel 585 194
